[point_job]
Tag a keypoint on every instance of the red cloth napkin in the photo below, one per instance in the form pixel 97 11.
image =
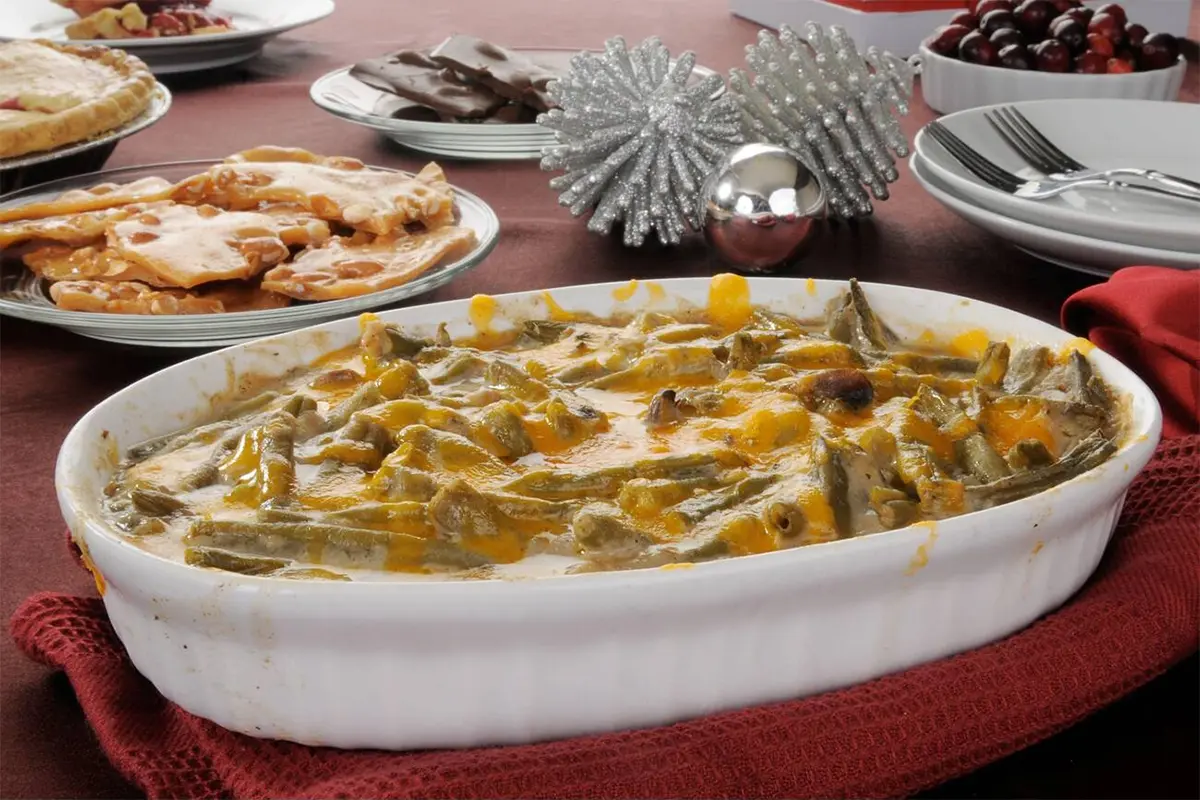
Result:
pixel 1149 318
pixel 1137 616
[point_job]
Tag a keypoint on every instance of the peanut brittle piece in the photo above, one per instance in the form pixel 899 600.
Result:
pixel 72 229
pixel 339 190
pixel 275 153
pixel 296 224
pixel 344 268
pixel 78 230
pixel 95 198
pixel 58 262
pixel 186 246
pixel 131 297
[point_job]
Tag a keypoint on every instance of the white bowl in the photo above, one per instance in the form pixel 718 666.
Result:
pixel 411 663
pixel 950 85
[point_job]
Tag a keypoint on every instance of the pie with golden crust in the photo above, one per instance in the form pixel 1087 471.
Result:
pixel 53 95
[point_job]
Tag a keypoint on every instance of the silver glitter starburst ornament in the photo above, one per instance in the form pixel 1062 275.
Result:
pixel 635 140
pixel 831 104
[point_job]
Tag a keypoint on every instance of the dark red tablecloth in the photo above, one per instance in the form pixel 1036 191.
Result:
pixel 1143 746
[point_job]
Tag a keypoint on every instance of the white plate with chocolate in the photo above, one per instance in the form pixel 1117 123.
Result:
pixel 211 253
pixel 171 36
pixel 463 98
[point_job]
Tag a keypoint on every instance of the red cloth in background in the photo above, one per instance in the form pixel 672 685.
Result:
pixel 1149 318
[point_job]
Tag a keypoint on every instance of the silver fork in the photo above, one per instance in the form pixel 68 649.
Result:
pixel 1040 189
pixel 1042 154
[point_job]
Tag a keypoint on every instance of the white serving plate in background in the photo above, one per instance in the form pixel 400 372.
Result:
pixel 1081 253
pixel 1104 134
pixel 949 85
pixel 256 22
pixel 402 664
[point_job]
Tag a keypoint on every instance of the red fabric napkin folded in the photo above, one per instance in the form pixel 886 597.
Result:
pixel 1149 318
pixel 1138 615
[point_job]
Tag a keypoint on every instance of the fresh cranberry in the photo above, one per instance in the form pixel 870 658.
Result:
pixel 1108 25
pixel 1159 51
pixel 945 39
pixel 1114 10
pixel 1033 18
pixel 1071 33
pixel 1135 34
pixel 996 20
pixel 1062 6
pixel 1006 36
pixel 1052 56
pixel 1119 66
pixel 984 6
pixel 976 49
pixel 1091 64
pixel 1099 43
pixel 1082 13
pixel 966 19
pixel 1015 56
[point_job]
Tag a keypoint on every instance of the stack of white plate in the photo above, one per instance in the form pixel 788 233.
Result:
pixel 1093 230
pixel 344 96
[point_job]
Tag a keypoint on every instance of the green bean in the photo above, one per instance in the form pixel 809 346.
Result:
pixel 691 511
pixel 607 481
pixel 154 502
pixel 544 331
pixel 310 573
pixel 298 403
pixel 503 421
pixel 994 365
pixel 215 558
pixel 364 396
pixel 507 377
pixel 1026 368
pixel 329 544
pixel 1089 453
pixel 602 531
pixel 460 367
pixel 856 324
pixel 972 448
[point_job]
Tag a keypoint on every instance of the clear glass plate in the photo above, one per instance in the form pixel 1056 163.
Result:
pixel 25 296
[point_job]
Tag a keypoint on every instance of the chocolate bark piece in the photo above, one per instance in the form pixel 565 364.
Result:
pixel 512 113
pixel 413 75
pixel 506 72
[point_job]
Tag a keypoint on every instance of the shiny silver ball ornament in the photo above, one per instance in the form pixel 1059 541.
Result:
pixel 761 207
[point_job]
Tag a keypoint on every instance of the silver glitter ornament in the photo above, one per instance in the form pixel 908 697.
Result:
pixel 761 207
pixel 635 140
pixel 834 106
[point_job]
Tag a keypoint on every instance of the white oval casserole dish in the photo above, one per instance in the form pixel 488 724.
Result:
pixel 418 664
pixel 949 85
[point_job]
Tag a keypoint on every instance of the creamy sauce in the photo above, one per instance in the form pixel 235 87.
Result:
pixel 571 444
